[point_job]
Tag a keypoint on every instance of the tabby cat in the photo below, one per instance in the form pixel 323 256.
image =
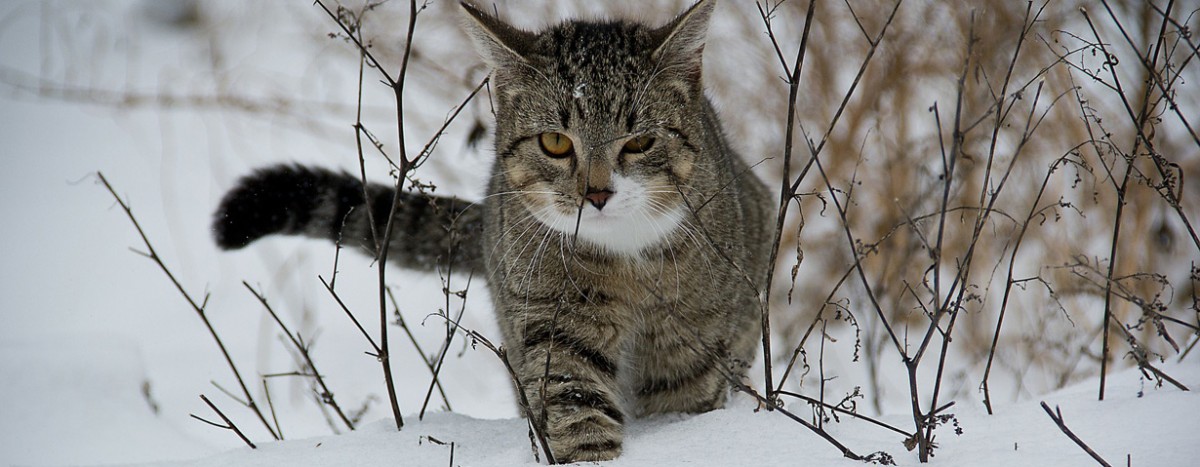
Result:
pixel 624 242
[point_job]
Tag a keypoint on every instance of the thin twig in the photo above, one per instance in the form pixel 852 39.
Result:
pixel 198 308
pixel 1033 208
pixel 451 328
pixel 271 407
pixel 228 424
pixel 1120 192
pixel 374 347
pixel 326 394
pixel 840 410
pixel 1057 416
pixel 522 398
pixel 774 406
pixel 417 345
pixel 787 191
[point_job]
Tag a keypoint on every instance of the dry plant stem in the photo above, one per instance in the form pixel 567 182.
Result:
pixel 1140 122
pixel 405 165
pixel 326 394
pixel 840 410
pixel 812 326
pixel 359 131
pixel 786 191
pixel 999 122
pixel 948 168
pixel 1151 67
pixel 862 69
pixel 198 308
pixel 981 219
pixel 821 375
pixel 538 430
pixel 1186 34
pixel 952 298
pixel 909 362
pixel 1057 417
pixel 1027 26
pixel 816 151
pixel 1031 124
pixel 1183 355
pixel 1165 377
pixel 451 330
pixel 437 135
pixel 837 286
pixel 955 153
pixel 1112 265
pixel 271 407
pixel 1033 210
pixel 417 345
pixel 228 424
pixel 912 362
pixel 361 329
pixel 1144 363
pixel 775 406
pixel 1164 88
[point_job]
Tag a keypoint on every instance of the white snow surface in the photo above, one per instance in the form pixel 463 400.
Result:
pixel 1157 428
pixel 81 403
pixel 101 360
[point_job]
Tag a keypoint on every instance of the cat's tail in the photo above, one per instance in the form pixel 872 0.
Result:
pixel 429 232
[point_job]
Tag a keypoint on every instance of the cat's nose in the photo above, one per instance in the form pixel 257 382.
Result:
pixel 598 198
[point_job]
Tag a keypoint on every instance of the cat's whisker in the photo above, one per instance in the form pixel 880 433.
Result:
pixel 529 231
pixel 536 260
pixel 655 223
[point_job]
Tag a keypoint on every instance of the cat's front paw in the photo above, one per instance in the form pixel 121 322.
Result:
pixel 578 436
pixel 566 453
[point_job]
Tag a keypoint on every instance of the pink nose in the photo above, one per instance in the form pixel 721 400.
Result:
pixel 598 198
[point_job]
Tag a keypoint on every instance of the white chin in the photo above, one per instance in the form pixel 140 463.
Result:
pixel 625 233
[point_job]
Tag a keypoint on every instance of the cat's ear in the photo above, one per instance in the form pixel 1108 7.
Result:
pixel 682 40
pixel 498 43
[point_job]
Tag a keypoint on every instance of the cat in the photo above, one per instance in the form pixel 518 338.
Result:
pixel 624 242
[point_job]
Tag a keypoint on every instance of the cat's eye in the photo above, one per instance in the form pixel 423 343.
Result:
pixel 556 144
pixel 639 145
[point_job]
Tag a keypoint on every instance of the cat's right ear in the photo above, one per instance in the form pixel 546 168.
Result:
pixel 498 43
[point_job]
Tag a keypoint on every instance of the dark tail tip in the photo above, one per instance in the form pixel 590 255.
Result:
pixel 277 199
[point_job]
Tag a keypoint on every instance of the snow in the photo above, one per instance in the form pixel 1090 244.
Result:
pixel 82 402
pixel 75 408
pixel 101 361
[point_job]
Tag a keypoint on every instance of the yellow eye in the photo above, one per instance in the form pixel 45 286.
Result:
pixel 556 145
pixel 639 145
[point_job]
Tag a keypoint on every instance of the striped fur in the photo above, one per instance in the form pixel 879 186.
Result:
pixel 626 282
pixel 428 231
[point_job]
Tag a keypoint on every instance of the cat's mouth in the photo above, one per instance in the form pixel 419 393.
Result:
pixel 625 220
pixel 624 233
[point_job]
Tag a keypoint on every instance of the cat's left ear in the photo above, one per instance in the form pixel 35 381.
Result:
pixel 682 40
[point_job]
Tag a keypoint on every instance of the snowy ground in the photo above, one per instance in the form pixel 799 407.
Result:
pixel 1146 426
pixel 101 361
pixel 68 406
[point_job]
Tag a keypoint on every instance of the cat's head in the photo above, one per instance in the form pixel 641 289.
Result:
pixel 599 124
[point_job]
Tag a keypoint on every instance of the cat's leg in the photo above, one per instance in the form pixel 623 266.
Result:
pixel 568 368
pixel 688 359
pixel 680 372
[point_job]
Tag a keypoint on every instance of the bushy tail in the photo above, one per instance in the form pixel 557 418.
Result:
pixel 428 231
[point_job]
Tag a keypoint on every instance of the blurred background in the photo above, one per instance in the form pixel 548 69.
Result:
pixel 174 100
